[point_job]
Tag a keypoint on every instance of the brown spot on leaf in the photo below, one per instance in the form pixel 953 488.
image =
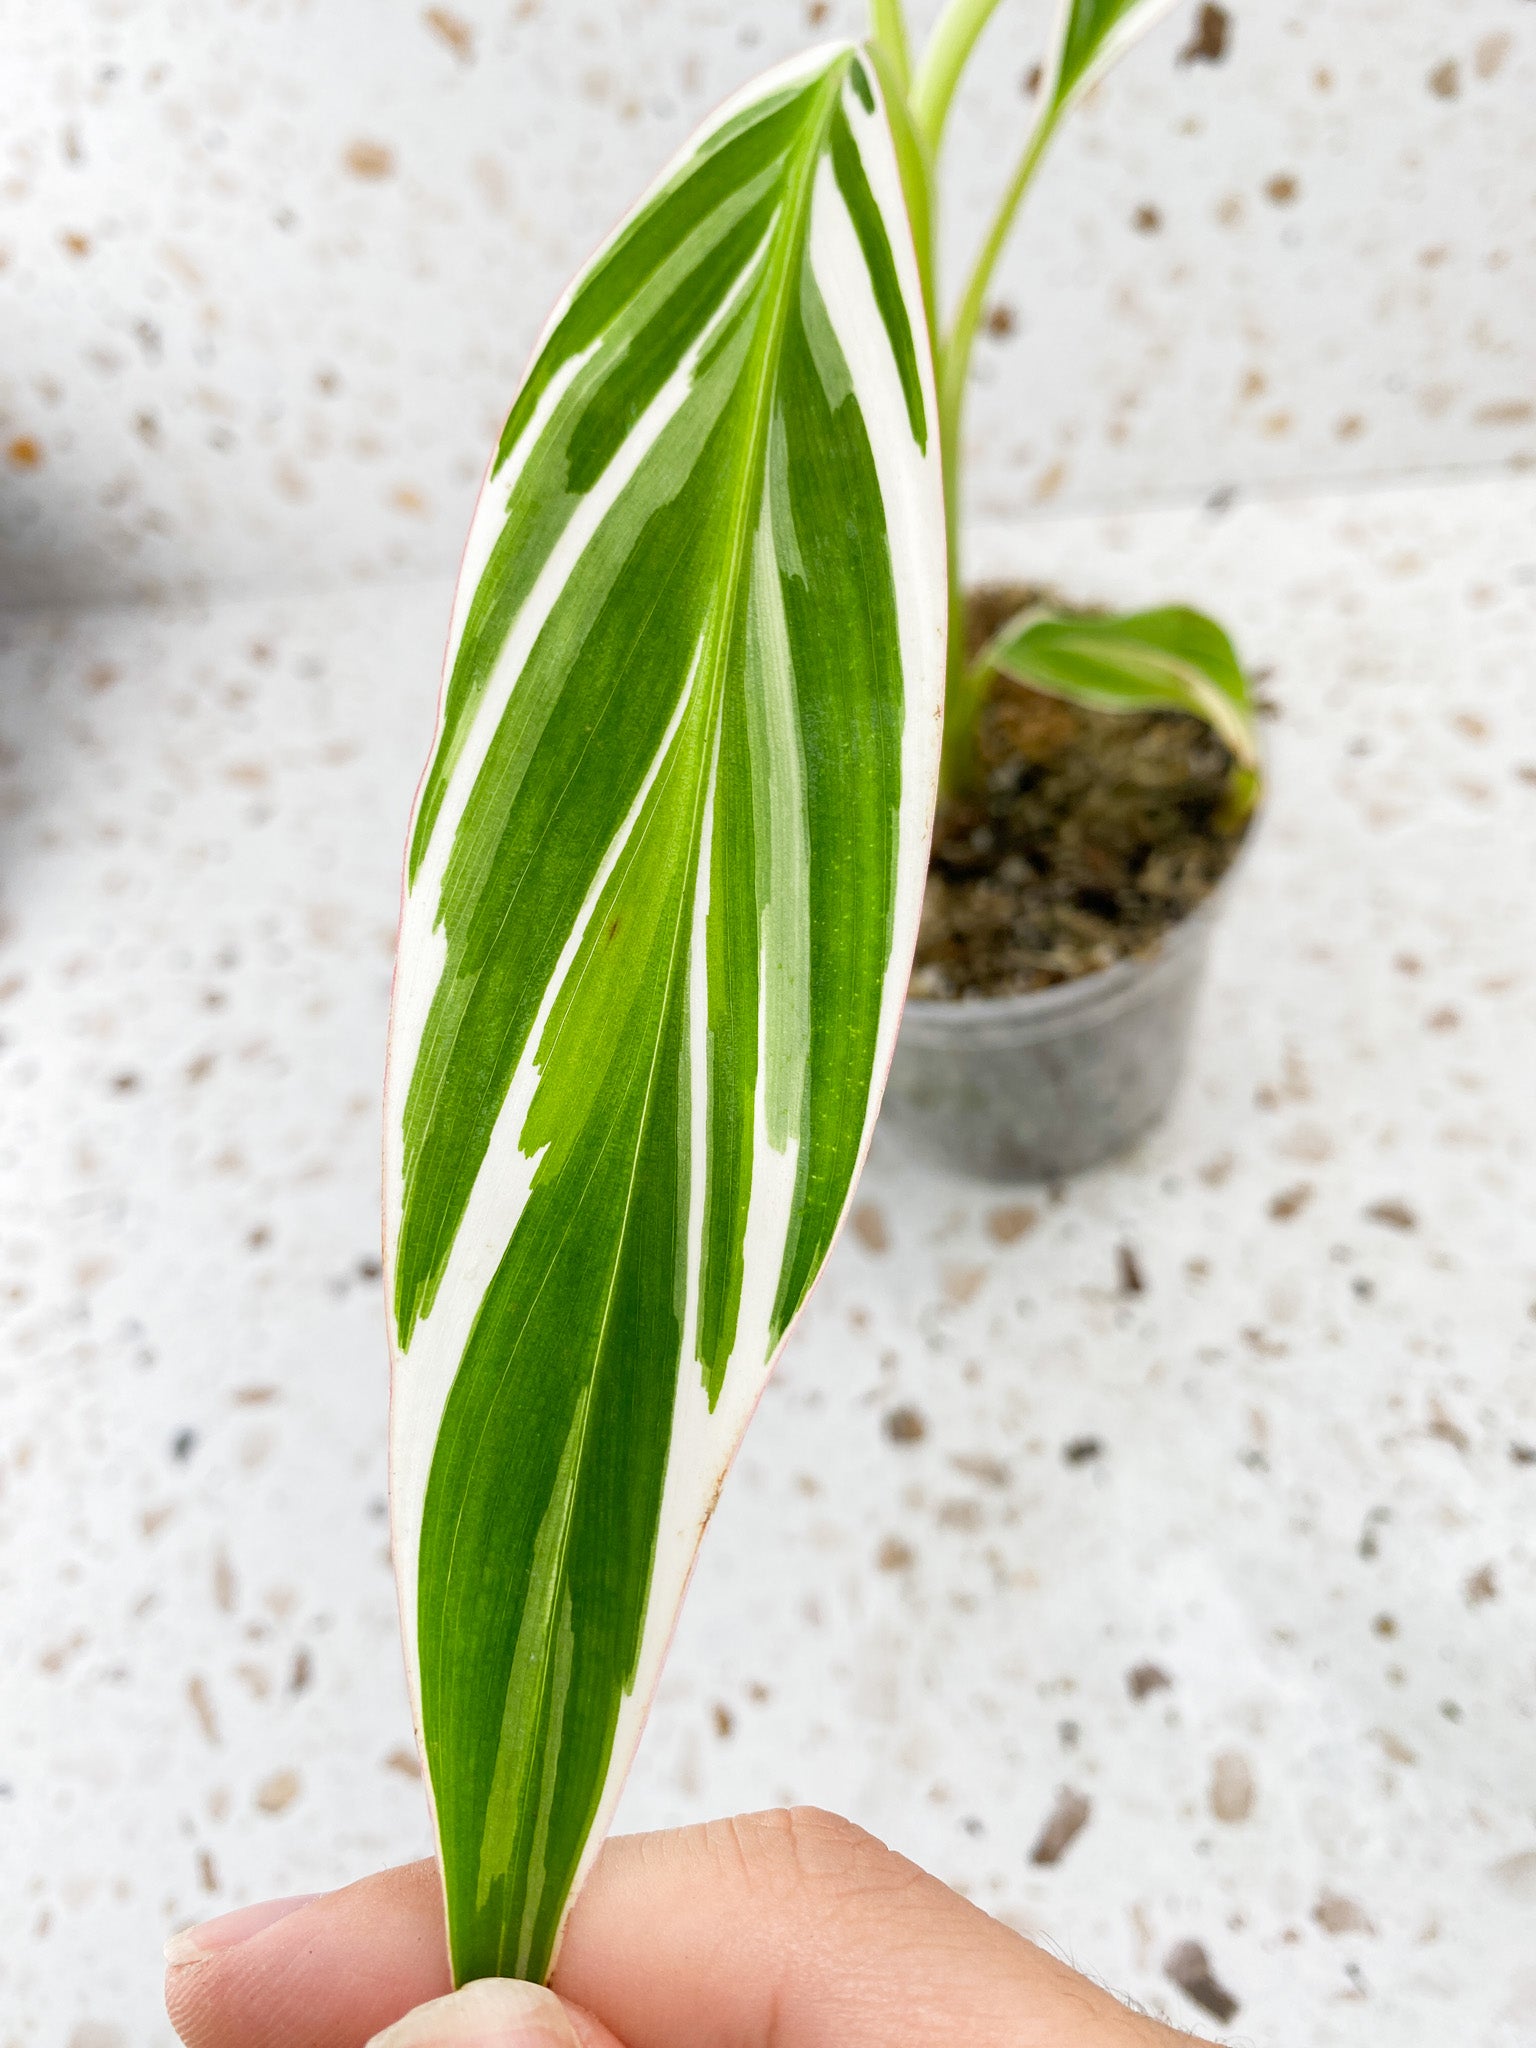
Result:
pixel 1142 1679
pixel 869 1227
pixel 24 453
pixel 1444 81
pixel 371 160
pixel 1282 189
pixel 1189 1967
pixel 894 1555
pixel 1001 320
pixel 1128 1273
pixel 1210 37
pixel 1488 58
pixel 1068 1818
pixel 1082 1450
pixel 724 1720
pixel 1146 220
pixel 1290 1201
pixel 405 1761
pixel 905 1425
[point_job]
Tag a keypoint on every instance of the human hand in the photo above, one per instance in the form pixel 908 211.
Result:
pixel 777 1930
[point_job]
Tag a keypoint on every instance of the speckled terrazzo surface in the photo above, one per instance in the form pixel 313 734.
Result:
pixel 1202 1492
pixel 269 271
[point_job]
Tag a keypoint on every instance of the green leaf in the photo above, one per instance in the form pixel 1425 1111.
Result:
pixel 663 887
pixel 1090 35
pixel 1173 659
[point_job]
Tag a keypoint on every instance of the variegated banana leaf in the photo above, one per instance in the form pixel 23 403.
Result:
pixel 662 891
pixel 1090 36
pixel 1172 659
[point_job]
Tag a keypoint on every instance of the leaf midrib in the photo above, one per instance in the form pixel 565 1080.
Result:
pixel 780 283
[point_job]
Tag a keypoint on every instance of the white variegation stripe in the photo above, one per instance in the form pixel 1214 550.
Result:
pixel 1131 26
pixel 912 488
pixel 419 1392
pixel 586 523
pixel 422 1385
pixel 778 803
pixel 502 1188
pixel 495 499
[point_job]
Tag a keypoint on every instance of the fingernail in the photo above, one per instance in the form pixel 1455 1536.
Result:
pixel 196 1944
pixel 495 2012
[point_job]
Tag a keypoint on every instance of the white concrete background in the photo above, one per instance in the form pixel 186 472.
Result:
pixel 1312 1507
pixel 244 357
pixel 268 272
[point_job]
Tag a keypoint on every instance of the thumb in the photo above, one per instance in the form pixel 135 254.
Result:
pixel 496 2012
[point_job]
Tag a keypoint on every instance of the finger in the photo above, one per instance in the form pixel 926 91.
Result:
pixel 497 2012
pixel 328 1972
pixel 799 1930
pixel 792 1929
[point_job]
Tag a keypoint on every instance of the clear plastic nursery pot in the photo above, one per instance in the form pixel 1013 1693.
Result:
pixel 1039 1086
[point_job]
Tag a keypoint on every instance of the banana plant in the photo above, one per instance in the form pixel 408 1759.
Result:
pixel 1171 659
pixel 662 889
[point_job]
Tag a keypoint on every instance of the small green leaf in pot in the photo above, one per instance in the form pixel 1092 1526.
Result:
pixel 1172 659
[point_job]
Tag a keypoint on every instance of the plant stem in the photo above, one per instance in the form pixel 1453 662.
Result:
pixel 888 28
pixel 943 59
pixel 962 693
